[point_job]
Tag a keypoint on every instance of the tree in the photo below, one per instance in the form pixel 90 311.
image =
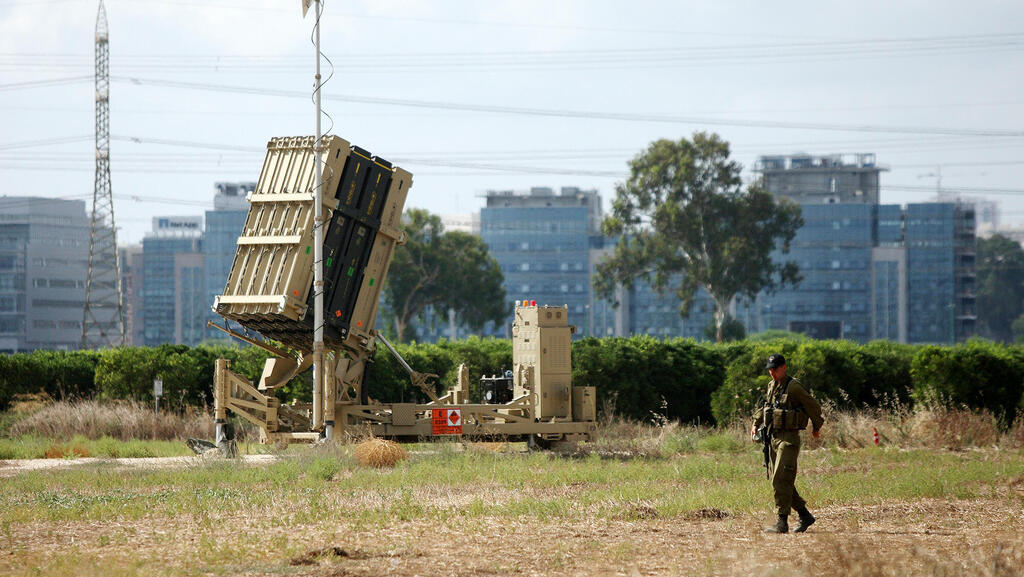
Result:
pixel 450 270
pixel 1000 285
pixel 683 210
pixel 732 330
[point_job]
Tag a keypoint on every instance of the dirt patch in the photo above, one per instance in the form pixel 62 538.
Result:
pixel 979 538
pixel 326 554
pixel 707 513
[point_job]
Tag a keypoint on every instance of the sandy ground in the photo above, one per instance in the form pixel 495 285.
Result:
pixel 921 538
pixel 979 538
pixel 14 467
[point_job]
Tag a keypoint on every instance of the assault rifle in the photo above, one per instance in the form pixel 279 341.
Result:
pixel 765 436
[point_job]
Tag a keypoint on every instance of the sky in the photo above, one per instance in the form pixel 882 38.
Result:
pixel 474 95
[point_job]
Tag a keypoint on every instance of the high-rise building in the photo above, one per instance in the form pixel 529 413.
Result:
pixel 173 289
pixel 941 245
pixel 44 257
pixel 131 288
pixel 224 225
pixel 832 179
pixel 870 271
pixel 543 241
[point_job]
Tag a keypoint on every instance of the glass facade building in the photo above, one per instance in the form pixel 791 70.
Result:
pixel 223 225
pixel 940 266
pixel 655 313
pixel 834 252
pixel 44 261
pixel 173 288
pixel 543 242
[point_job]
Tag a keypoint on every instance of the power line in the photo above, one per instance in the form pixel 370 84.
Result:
pixel 631 58
pixel 44 142
pixel 588 115
pixel 189 144
pixel 46 82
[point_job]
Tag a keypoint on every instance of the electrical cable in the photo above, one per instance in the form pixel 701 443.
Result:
pixel 588 115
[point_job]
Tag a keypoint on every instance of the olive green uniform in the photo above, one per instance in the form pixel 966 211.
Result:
pixel 789 395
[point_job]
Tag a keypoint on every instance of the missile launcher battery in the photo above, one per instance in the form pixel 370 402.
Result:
pixel 270 290
pixel 270 287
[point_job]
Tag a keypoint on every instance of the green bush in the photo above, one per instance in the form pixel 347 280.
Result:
pixel 978 374
pixel 639 378
pixel 128 373
pixel 60 374
pixel 841 372
pixel 886 372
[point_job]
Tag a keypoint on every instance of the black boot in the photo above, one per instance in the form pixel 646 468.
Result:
pixel 806 520
pixel 782 526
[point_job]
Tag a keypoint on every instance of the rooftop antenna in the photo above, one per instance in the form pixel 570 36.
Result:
pixel 103 315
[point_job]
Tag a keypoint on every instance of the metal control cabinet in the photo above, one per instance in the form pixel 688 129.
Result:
pixel 542 359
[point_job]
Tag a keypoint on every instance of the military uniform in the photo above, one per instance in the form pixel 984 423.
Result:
pixel 787 410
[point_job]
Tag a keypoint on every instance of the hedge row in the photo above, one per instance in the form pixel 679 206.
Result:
pixel 637 377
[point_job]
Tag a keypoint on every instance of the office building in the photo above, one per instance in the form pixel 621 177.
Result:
pixel 174 300
pixel 224 224
pixel 831 179
pixel 870 271
pixel 941 255
pixel 543 241
pixel 131 291
pixel 44 261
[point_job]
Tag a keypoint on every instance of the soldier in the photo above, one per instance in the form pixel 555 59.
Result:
pixel 787 408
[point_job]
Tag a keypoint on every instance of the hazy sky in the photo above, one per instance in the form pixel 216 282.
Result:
pixel 477 95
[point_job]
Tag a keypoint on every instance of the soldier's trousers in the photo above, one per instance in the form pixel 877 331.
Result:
pixel 784 454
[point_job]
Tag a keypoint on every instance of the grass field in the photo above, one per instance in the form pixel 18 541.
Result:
pixel 450 510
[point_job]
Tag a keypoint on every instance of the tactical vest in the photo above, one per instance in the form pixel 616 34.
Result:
pixel 782 414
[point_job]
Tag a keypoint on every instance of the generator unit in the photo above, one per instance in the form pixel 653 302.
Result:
pixel 269 290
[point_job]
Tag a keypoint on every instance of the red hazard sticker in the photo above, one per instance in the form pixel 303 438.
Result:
pixel 447 421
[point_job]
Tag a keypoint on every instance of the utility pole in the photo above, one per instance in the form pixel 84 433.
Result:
pixel 319 382
pixel 103 315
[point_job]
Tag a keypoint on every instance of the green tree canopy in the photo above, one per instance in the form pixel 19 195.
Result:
pixel 683 210
pixel 449 270
pixel 1000 285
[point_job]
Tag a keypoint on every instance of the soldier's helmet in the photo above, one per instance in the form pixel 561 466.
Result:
pixel 775 361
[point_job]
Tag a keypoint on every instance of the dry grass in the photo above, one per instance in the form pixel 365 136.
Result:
pixel 376 452
pixel 125 421
pixel 930 426
pixel 922 427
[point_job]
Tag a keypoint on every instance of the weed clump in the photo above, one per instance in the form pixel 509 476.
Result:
pixel 76 449
pixel 376 452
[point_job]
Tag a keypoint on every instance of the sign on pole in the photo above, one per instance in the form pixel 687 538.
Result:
pixel 158 391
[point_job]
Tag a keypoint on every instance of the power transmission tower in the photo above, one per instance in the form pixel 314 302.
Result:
pixel 103 319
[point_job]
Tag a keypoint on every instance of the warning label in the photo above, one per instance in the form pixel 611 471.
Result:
pixel 447 421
